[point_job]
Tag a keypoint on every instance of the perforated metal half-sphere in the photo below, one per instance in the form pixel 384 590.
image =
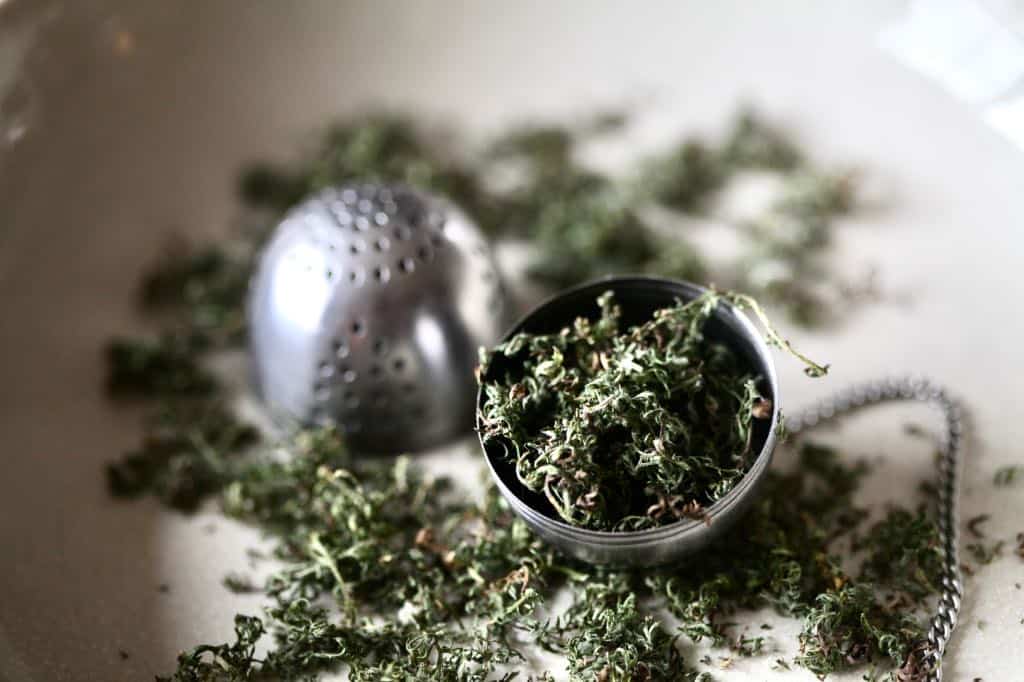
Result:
pixel 367 309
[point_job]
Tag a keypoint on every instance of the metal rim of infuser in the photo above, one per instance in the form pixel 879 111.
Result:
pixel 638 298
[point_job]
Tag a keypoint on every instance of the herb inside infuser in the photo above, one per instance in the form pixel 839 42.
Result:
pixel 626 429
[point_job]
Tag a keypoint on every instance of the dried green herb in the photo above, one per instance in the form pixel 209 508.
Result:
pixel 532 183
pixel 851 625
pixel 985 553
pixel 206 289
pixel 606 635
pixel 381 147
pixel 392 574
pixel 903 553
pixel 165 366
pixel 425 589
pixel 190 451
pixel 233 661
pixel 600 233
pixel 1006 475
pixel 974 525
pixel 386 573
pixel 627 429
pixel 784 555
pixel 426 586
pixel 240 583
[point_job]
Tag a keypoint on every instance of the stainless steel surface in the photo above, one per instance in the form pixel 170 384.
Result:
pixel 950 462
pixel 670 542
pixel 368 308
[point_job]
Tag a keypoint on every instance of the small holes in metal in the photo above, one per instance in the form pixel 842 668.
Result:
pixel 375 371
pixel 349 376
pixel 406 265
pixel 329 273
pixel 425 254
pixel 340 349
pixel 382 244
pixel 365 206
pixel 362 223
pixel 398 364
pixel 326 370
pixel 349 196
pixel 437 241
pixel 403 233
pixel 358 327
pixel 357 277
pixel 380 347
pixel 382 274
pixel 381 218
pixel 357 247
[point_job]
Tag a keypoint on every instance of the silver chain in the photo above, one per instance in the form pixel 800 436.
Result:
pixel 951 445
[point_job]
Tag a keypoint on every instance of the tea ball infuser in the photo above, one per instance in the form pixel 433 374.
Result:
pixel 639 298
pixel 367 308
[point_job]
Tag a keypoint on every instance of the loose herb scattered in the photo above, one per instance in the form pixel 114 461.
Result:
pixel 627 429
pixel 240 583
pixel 985 553
pixel 186 454
pixel 974 525
pixel 1006 475
pixel 394 574
pixel 532 183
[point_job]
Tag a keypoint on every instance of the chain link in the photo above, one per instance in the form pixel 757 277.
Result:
pixel 924 391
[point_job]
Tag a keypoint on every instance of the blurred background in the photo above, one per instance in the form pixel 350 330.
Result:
pixel 124 126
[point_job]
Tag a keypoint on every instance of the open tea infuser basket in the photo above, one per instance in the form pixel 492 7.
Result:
pixel 639 297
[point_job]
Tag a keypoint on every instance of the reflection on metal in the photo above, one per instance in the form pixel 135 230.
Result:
pixel 368 308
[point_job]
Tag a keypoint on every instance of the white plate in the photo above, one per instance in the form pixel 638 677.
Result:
pixel 140 116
